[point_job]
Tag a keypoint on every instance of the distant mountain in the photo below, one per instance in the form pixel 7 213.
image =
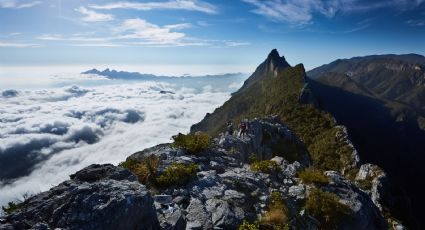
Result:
pixel 221 82
pixel 381 100
pixel 123 75
pixel 113 74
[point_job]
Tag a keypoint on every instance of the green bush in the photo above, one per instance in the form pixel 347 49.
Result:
pixel 11 207
pixel 313 176
pixel 266 166
pixel 276 216
pixel 248 226
pixel 145 170
pixel 365 184
pixel 192 143
pixel 129 164
pixel 177 174
pixel 326 208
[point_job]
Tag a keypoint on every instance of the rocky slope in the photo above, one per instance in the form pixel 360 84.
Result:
pixel 296 169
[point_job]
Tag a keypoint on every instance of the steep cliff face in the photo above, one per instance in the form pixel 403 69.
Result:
pixel 380 99
pixel 295 168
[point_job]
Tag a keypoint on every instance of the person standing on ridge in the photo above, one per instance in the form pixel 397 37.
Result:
pixel 243 127
pixel 229 128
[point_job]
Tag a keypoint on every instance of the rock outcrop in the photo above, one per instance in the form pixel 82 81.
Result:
pixel 97 197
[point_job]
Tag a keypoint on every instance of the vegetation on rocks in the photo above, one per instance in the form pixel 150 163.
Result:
pixel 192 143
pixel 177 174
pixel 266 166
pixel 313 176
pixel 365 184
pixel 11 207
pixel 249 226
pixel 326 208
pixel 276 216
pixel 145 170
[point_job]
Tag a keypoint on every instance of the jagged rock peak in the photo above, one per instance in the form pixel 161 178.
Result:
pixel 277 60
pixel 270 67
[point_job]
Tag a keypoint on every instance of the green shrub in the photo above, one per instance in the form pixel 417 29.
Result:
pixel 177 174
pixel 192 143
pixel 248 226
pixel 365 184
pixel 129 164
pixel 276 216
pixel 266 166
pixel 313 176
pixel 11 207
pixel 145 170
pixel 326 208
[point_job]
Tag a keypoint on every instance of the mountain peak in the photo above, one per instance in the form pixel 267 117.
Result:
pixel 273 54
pixel 275 59
pixel 92 71
pixel 269 67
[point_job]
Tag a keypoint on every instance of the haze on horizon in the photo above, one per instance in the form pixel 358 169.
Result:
pixel 205 33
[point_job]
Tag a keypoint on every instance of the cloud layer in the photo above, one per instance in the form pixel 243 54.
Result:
pixel 45 135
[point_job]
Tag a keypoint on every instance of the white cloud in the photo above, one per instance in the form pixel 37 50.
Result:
pixel 15 4
pixel 98 45
pixel 56 132
pixel 17 45
pixel 60 37
pixel 179 26
pixel 92 16
pixel 236 43
pixel 14 34
pixel 191 5
pixel 415 22
pixel 302 12
pixel 51 37
pixel 141 29
pixel 139 32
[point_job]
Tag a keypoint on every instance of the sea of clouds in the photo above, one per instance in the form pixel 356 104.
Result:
pixel 48 134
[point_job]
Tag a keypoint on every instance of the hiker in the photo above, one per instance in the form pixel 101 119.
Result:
pixel 229 128
pixel 243 128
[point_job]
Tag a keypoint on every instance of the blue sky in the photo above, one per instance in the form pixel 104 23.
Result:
pixel 219 32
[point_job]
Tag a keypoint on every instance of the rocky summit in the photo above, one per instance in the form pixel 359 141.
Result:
pixel 294 168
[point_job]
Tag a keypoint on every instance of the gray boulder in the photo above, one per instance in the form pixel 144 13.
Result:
pixel 97 197
pixel 197 216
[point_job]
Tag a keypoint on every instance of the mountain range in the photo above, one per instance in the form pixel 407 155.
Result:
pixel 219 82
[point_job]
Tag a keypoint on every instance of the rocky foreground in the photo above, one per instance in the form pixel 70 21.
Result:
pixel 237 183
